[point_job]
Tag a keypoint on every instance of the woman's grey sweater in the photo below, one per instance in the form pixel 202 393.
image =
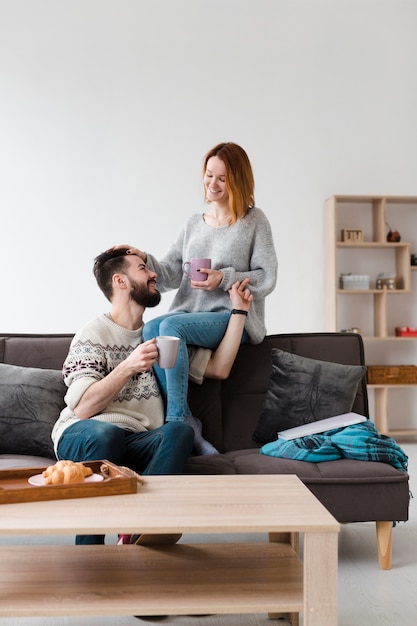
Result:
pixel 243 250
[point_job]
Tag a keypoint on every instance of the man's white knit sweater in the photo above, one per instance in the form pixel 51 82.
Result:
pixel 94 352
pixel 243 250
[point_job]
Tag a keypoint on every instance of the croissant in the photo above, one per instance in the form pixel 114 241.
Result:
pixel 65 472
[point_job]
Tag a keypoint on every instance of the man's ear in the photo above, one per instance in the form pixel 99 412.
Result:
pixel 119 281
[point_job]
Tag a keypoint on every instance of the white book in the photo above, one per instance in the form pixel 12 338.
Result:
pixel 337 421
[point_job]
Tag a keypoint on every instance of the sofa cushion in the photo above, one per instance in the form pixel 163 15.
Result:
pixel 19 461
pixel 302 390
pixel 378 490
pixel 31 400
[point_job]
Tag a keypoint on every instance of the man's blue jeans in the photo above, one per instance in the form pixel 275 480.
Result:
pixel 164 450
pixel 199 329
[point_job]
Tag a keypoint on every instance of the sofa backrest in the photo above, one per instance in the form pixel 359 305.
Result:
pixel 229 409
pixel 42 350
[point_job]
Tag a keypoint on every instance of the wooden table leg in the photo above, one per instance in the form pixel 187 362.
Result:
pixel 294 540
pixel 320 579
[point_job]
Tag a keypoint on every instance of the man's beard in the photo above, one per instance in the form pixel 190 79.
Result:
pixel 141 294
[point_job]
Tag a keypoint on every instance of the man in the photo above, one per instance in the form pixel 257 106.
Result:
pixel 114 406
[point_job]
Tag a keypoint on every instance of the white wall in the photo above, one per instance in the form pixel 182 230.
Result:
pixel 108 106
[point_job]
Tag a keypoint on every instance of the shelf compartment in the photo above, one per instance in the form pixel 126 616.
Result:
pixel 137 580
pixel 400 264
pixel 373 311
pixel 383 414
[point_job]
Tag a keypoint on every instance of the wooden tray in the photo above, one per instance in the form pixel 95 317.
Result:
pixel 14 485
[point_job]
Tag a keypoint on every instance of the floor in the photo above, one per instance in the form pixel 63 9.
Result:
pixel 368 596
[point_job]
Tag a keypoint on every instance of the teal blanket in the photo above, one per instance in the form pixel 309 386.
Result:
pixel 359 441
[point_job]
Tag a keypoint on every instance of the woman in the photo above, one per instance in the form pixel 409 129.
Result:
pixel 237 237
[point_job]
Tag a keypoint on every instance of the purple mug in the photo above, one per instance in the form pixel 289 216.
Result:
pixel 193 266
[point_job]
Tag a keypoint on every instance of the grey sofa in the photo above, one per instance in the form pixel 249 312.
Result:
pixel 352 490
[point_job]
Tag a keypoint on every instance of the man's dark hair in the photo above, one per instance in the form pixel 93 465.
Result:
pixel 106 265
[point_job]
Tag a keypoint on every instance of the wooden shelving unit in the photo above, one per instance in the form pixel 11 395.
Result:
pixel 374 311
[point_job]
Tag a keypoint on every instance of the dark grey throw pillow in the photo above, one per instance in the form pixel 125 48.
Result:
pixel 302 390
pixel 31 400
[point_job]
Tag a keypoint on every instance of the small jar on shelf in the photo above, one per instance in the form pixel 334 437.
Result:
pixel 387 281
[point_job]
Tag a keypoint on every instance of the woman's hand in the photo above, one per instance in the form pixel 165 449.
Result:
pixel 214 278
pixel 131 250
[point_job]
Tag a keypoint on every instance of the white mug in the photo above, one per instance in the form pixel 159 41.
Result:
pixel 167 351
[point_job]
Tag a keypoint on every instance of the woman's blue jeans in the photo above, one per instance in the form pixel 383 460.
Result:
pixel 198 329
pixel 164 450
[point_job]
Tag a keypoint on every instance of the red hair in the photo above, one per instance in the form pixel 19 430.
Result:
pixel 240 183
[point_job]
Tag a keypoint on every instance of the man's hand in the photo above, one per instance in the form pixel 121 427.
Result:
pixel 240 295
pixel 143 357
pixel 223 357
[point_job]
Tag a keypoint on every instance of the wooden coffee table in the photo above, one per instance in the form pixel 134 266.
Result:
pixel 181 579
